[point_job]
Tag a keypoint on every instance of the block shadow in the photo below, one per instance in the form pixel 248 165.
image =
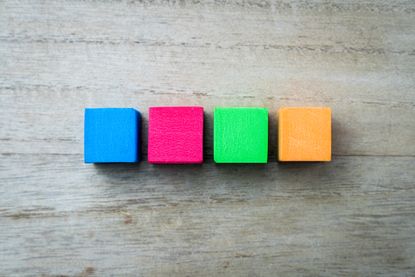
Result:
pixel 307 176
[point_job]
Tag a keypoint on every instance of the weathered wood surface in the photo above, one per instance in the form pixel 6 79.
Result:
pixel 353 216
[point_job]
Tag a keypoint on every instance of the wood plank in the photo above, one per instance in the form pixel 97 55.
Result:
pixel 354 216
pixel 38 125
pixel 178 54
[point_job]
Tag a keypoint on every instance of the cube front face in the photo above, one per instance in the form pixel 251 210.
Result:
pixel 111 135
pixel 304 134
pixel 175 135
pixel 240 135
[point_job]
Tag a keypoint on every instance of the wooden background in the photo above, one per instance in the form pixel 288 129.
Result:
pixel 354 216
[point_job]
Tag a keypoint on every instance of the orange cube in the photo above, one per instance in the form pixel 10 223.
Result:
pixel 304 134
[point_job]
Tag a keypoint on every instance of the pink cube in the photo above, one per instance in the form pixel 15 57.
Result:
pixel 175 135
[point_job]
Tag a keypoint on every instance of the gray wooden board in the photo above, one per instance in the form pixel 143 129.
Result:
pixel 354 216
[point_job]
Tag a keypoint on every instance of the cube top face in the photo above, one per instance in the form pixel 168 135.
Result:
pixel 111 135
pixel 304 134
pixel 240 135
pixel 175 135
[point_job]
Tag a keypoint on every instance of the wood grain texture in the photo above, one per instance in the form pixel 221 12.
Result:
pixel 240 135
pixel 111 135
pixel 175 135
pixel 354 216
pixel 304 134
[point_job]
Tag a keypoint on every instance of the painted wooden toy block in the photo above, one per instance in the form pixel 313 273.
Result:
pixel 175 135
pixel 304 134
pixel 111 135
pixel 240 135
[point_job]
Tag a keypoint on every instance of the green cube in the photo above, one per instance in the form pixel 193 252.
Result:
pixel 240 135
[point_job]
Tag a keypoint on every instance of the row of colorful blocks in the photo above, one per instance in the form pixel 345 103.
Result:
pixel 175 135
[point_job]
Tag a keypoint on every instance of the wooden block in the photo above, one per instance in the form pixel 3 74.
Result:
pixel 240 135
pixel 175 135
pixel 111 135
pixel 304 134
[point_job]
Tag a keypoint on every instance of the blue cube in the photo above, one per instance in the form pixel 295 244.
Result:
pixel 111 135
